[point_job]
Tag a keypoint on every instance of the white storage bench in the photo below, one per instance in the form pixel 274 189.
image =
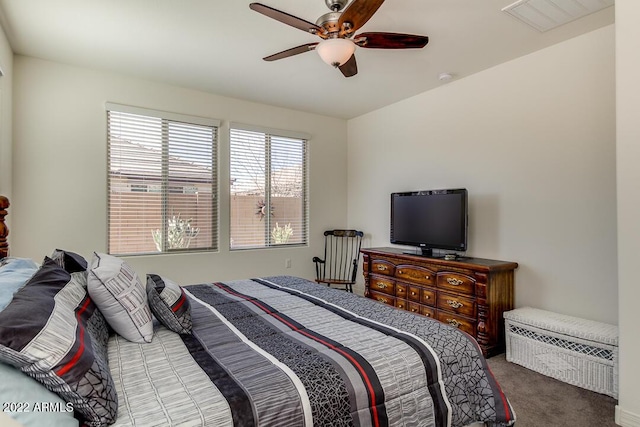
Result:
pixel 577 351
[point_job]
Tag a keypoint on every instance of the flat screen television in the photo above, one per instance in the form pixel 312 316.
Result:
pixel 433 219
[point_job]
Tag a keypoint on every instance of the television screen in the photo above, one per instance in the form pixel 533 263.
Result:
pixel 434 219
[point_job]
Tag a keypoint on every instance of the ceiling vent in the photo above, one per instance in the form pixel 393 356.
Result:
pixel 544 15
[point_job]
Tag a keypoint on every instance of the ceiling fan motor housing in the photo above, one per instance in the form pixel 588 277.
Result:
pixel 329 21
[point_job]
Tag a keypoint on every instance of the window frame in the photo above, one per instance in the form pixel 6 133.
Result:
pixel 167 118
pixel 269 134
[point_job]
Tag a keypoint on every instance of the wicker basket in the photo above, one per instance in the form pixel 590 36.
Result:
pixel 577 351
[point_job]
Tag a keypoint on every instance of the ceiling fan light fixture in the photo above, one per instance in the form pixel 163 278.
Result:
pixel 335 52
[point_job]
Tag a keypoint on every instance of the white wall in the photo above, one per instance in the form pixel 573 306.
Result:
pixel 59 164
pixel 533 140
pixel 628 156
pixel 6 65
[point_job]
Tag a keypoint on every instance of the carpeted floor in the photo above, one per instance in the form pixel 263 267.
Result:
pixel 539 400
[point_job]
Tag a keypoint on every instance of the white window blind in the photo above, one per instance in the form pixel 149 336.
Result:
pixel 162 183
pixel 268 203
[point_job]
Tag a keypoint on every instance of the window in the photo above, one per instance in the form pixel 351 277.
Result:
pixel 162 183
pixel 268 188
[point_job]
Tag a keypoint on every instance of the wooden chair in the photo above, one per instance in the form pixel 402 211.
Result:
pixel 340 263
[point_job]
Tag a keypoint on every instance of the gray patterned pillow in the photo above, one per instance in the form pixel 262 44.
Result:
pixel 120 295
pixel 54 333
pixel 70 261
pixel 169 303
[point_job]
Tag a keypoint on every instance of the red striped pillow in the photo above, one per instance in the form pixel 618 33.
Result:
pixel 169 303
pixel 54 333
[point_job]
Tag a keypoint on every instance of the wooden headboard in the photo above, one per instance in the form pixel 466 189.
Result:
pixel 4 231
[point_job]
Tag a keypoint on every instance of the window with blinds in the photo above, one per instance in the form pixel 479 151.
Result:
pixel 162 183
pixel 268 205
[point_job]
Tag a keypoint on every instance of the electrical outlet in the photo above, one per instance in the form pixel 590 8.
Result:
pixel 287 263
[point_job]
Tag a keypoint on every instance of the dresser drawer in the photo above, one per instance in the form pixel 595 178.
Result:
pixel 415 274
pixel 428 296
pixel 457 304
pixel 414 307
pixel 456 282
pixel 427 311
pixel 382 284
pixel 379 266
pixel 458 321
pixel 402 304
pixel 401 290
pixel 413 293
pixel 387 299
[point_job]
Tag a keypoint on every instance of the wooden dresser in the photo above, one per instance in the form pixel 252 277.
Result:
pixel 468 293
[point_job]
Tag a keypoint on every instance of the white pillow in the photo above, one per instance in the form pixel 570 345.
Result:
pixel 121 297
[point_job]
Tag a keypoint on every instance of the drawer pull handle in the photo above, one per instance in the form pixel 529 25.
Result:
pixel 399 271
pixel 427 314
pixel 454 304
pixel 427 297
pixel 381 285
pixel 454 323
pixel 413 310
pixel 453 281
pixel 426 277
pixel 382 268
pixel 413 293
pixel 384 300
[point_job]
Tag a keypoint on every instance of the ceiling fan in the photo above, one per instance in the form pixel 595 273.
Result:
pixel 337 29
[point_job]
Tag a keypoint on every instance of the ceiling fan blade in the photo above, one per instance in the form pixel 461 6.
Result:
pixel 357 14
pixel 291 52
pixel 349 68
pixel 288 19
pixel 391 41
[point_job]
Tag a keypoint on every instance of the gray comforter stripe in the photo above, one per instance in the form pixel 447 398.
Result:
pixel 326 390
pixel 275 398
pixel 160 384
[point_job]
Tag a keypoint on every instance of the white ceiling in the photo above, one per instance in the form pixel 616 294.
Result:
pixel 218 46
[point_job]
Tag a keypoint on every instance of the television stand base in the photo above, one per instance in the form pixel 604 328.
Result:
pixel 425 252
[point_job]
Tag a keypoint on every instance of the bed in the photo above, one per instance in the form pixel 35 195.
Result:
pixel 86 341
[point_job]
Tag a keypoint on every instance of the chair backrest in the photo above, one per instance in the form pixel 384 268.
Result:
pixel 341 254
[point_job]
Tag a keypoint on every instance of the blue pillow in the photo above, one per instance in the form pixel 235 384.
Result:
pixel 14 273
pixel 28 402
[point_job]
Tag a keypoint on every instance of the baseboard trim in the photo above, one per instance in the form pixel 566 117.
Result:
pixel 626 418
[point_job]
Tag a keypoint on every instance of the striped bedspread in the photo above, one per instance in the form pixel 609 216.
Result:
pixel 283 351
